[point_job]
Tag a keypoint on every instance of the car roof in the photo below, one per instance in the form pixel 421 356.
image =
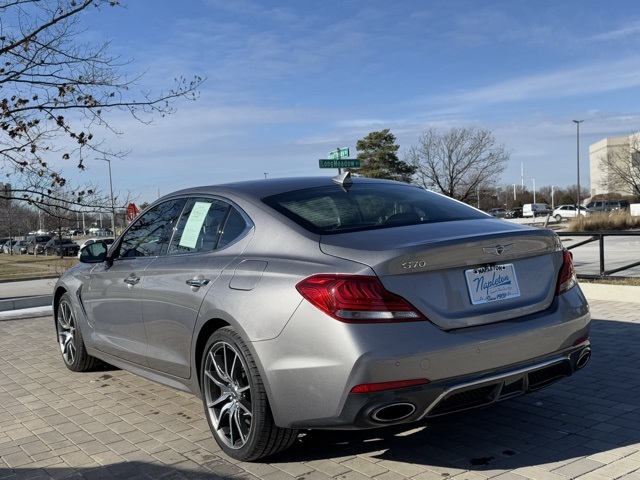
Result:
pixel 272 186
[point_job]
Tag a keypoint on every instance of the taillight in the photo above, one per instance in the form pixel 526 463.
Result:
pixel 567 276
pixel 356 298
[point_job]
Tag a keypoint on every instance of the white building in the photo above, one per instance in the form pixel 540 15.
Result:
pixel 623 154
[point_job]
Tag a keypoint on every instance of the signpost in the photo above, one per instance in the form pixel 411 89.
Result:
pixel 338 158
pixel 338 153
pixel 342 163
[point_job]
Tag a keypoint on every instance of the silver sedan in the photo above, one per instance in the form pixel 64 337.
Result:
pixel 320 303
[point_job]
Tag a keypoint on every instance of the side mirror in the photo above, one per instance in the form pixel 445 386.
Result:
pixel 93 253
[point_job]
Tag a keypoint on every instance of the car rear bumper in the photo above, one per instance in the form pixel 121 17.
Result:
pixel 311 368
pixel 410 404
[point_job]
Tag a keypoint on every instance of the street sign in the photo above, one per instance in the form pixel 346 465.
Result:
pixel 339 153
pixel 339 163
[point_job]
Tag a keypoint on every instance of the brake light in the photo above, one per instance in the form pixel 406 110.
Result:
pixel 567 276
pixel 356 298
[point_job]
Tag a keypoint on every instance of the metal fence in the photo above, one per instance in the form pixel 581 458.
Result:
pixel 600 237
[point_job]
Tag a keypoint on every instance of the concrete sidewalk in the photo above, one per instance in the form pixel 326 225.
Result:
pixel 25 294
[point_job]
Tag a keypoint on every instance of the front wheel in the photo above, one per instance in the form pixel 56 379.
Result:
pixel 70 339
pixel 235 400
pixel 558 218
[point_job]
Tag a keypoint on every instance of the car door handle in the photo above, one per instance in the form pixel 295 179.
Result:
pixel 198 282
pixel 132 280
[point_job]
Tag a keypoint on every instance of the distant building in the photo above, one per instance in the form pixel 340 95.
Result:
pixel 5 193
pixel 607 153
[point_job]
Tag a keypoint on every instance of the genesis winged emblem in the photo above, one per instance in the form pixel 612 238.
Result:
pixel 498 249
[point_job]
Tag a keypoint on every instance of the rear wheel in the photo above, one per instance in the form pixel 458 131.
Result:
pixel 235 401
pixel 70 339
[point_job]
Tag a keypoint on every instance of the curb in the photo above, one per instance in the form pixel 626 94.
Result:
pixel 25 302
pixel 25 313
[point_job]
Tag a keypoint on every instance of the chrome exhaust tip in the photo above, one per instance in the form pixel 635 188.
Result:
pixel 393 412
pixel 584 357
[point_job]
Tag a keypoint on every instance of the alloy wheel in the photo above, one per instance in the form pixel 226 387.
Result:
pixel 67 332
pixel 228 396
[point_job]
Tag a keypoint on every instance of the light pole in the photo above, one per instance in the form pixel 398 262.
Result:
pixel 534 189
pixel 113 208
pixel 578 122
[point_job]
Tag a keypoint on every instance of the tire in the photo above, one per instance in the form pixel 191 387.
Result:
pixel 70 341
pixel 235 401
pixel 558 218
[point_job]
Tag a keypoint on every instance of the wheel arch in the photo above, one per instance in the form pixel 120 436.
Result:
pixel 208 329
pixel 57 295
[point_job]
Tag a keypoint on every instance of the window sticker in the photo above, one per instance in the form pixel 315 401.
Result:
pixel 189 237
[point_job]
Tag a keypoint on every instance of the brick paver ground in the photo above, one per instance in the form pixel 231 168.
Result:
pixel 112 424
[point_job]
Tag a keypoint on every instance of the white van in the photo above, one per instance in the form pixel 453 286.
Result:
pixel 535 209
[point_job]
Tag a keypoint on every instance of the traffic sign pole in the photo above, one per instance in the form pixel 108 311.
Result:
pixel 337 155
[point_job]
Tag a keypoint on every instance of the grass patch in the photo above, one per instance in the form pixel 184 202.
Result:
pixel 631 282
pixel 603 221
pixel 25 267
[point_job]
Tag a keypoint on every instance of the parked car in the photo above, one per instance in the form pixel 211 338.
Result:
pixel 497 212
pixel 536 209
pixel 66 247
pixel 514 213
pixel 603 206
pixel 311 303
pixel 569 211
pixel 7 246
pixel 100 232
pixel 20 247
pixel 2 242
pixel 36 244
pixel 89 241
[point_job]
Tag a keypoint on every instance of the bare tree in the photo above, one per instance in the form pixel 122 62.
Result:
pixel 620 168
pixel 459 162
pixel 55 94
pixel 15 220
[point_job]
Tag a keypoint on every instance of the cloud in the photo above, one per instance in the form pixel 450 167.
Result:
pixel 586 80
pixel 629 30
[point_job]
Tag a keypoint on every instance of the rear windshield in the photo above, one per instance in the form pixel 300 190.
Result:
pixel 331 209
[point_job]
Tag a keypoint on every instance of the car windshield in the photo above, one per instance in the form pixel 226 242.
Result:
pixel 332 209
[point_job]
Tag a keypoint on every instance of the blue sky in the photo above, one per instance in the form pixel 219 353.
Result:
pixel 288 81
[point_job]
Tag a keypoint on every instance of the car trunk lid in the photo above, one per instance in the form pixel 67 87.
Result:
pixel 463 273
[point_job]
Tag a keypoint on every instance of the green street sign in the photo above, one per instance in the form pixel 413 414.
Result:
pixel 339 153
pixel 339 163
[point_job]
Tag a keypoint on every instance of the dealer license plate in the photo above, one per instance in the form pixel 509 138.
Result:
pixel 492 283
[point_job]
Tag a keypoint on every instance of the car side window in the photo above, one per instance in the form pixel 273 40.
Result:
pixel 151 232
pixel 234 226
pixel 199 227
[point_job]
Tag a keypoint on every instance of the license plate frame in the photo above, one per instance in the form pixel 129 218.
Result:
pixel 492 283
